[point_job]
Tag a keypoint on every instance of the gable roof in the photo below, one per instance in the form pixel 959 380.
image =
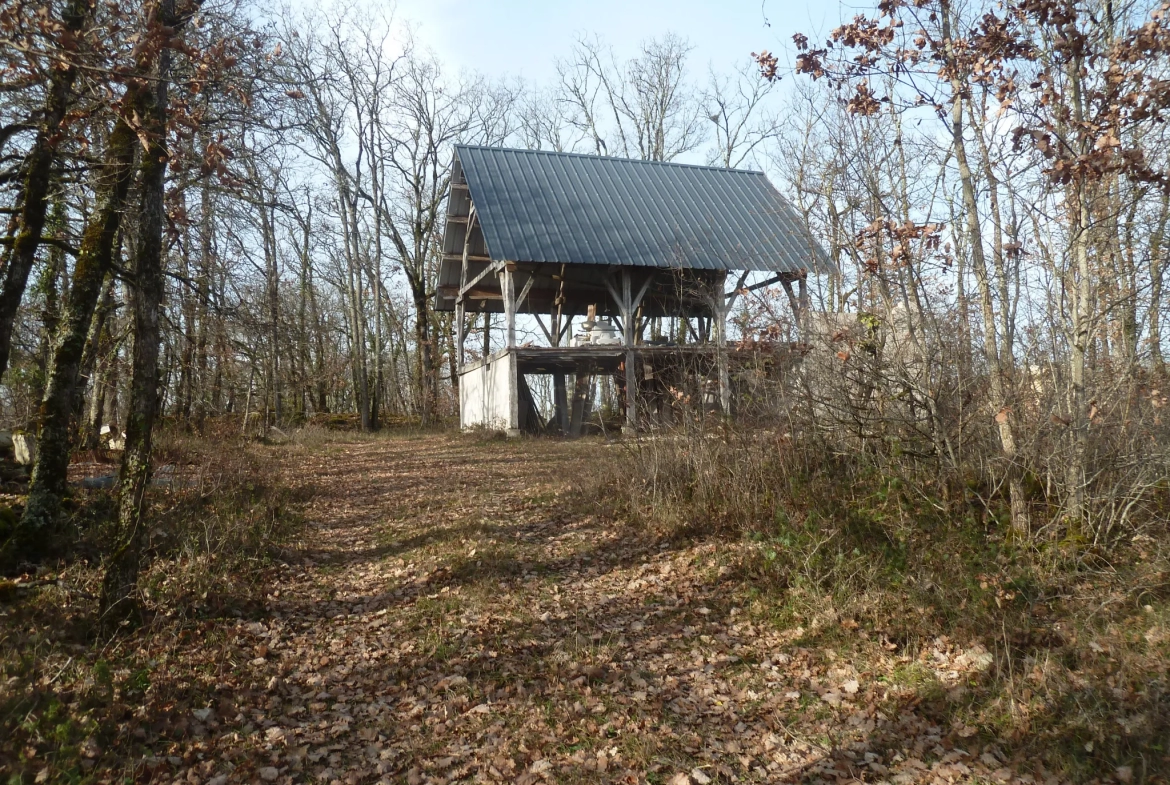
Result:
pixel 539 206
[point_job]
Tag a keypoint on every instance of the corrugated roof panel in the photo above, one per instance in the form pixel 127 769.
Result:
pixel 539 206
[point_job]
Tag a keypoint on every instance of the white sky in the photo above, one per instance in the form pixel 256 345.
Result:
pixel 524 37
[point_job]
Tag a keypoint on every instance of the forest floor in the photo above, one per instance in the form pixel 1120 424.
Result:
pixel 457 611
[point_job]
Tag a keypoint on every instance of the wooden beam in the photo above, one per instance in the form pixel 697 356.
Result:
pixel 480 294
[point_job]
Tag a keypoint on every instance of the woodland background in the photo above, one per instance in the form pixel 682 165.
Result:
pixel 223 219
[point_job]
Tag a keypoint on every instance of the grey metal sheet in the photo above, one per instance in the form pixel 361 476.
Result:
pixel 539 206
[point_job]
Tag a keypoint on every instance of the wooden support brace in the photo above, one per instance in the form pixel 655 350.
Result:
pixel 733 295
pixel 545 330
pixel 494 267
pixel 527 288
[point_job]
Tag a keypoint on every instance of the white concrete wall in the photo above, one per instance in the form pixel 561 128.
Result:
pixel 486 395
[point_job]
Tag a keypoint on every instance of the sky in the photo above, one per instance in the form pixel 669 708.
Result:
pixel 525 37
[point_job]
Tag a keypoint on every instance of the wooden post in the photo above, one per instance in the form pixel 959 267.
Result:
pixel 508 288
pixel 460 309
pixel 802 298
pixel 797 300
pixel 720 317
pixel 625 305
pixel 561 401
pixel 580 393
pixel 459 335
pixel 558 308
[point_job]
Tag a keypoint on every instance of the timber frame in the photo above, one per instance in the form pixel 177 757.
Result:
pixel 557 295
pixel 695 301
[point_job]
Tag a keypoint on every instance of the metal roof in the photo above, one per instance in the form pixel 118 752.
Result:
pixel 539 206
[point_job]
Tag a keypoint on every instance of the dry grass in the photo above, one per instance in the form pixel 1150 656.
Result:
pixel 442 608
pixel 1079 636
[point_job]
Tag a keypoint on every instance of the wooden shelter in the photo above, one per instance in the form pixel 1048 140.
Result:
pixel 620 243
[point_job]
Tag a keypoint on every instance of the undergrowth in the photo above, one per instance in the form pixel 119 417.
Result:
pixel 220 520
pixel 833 543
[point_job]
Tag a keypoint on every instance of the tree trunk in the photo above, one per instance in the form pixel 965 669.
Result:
pixel 39 166
pixel 118 602
pixel 1082 332
pixel 996 355
pixel 1157 271
pixel 105 359
pixel 94 260
pixel 202 307
pixel 425 365
pixel 49 287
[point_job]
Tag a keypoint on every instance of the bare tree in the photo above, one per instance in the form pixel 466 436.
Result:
pixel 646 107
pixel 745 122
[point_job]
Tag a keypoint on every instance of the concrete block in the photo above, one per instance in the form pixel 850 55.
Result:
pixel 24 447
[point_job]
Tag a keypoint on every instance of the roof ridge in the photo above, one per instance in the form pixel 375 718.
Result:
pixel 608 158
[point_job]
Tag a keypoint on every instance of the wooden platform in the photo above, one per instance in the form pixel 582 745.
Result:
pixel 568 359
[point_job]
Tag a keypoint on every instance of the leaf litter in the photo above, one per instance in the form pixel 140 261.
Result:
pixel 456 614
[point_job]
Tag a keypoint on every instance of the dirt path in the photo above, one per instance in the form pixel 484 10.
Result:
pixel 458 616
